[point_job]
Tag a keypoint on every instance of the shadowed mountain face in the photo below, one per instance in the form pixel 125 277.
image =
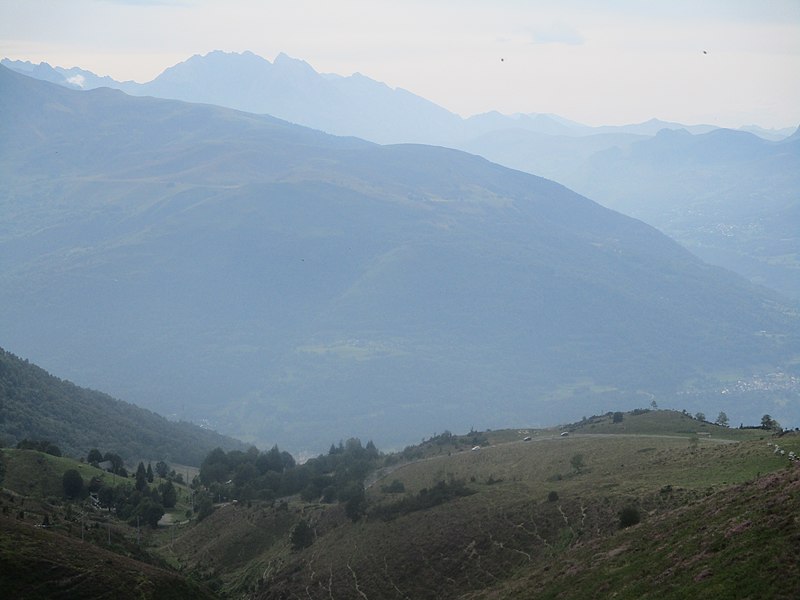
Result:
pixel 291 286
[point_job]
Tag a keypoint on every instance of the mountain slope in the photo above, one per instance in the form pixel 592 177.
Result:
pixel 729 196
pixel 35 405
pixel 291 286
pixel 739 212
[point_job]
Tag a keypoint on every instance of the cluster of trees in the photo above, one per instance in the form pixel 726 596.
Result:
pixel 128 501
pixel 336 476
pixel 438 443
pixel 40 446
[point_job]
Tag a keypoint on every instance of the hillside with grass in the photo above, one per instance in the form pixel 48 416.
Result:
pixel 657 501
pixel 57 545
pixel 649 503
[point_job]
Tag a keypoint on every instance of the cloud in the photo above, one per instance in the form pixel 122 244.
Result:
pixel 557 33
pixel 78 80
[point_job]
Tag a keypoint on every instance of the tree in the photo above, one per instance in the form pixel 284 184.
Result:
pixel 169 496
pixel 94 456
pixel 700 416
pixel 141 477
pixel 722 419
pixel 204 507
pixel 149 473
pixel 577 463
pixel 150 512
pixel 654 405
pixel 162 469
pixel 72 483
pixel 302 536
pixel 768 422
pixel 355 500
pixel 117 465
pixel 618 416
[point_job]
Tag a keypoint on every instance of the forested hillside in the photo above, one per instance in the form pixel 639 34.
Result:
pixel 36 405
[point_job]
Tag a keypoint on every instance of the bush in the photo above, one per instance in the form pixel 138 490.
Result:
pixel 552 496
pixel 302 536
pixel 629 516
pixel 396 487
pixel 72 483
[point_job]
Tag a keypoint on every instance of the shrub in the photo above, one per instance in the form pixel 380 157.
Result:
pixel 302 536
pixel 72 483
pixel 629 516
pixel 552 496
pixel 396 487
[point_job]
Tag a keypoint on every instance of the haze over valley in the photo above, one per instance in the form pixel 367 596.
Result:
pixel 284 285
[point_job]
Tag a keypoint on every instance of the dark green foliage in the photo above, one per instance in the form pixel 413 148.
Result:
pixel 169 494
pixel 162 469
pixel 767 422
pixel 355 500
pixel 302 535
pixel 628 516
pixel 40 446
pixel 426 498
pixel 37 405
pixel 94 456
pixel 148 511
pixel 141 477
pixel 117 464
pixel 552 496
pixel 204 507
pixel 618 416
pixel 274 473
pixel 396 487
pixel 72 484
pixel 149 473
pixel 722 419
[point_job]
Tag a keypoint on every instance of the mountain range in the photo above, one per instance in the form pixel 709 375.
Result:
pixel 290 286
pixel 735 206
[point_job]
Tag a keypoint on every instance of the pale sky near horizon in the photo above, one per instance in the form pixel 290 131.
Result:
pixel 613 62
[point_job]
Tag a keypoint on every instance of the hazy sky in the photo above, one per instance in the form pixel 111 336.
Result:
pixel 598 62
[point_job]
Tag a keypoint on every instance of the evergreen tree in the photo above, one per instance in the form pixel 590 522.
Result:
pixel 149 473
pixel 141 477
pixel 169 496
